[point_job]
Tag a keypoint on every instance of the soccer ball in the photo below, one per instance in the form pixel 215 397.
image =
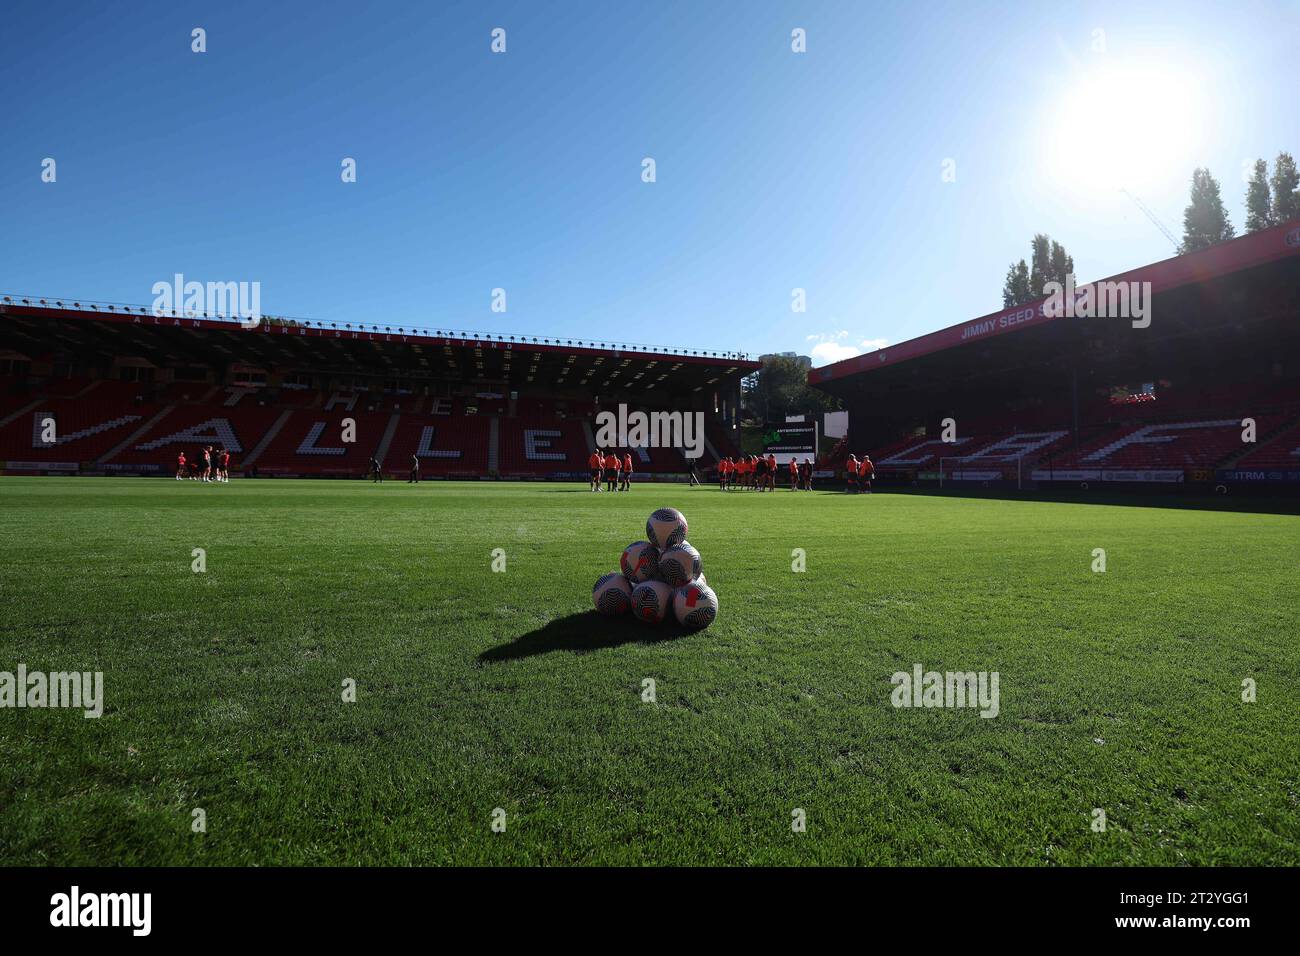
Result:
pixel 695 605
pixel 612 594
pixel 666 528
pixel 679 565
pixel 640 562
pixel 650 601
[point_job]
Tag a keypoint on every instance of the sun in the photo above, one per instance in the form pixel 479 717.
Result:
pixel 1124 128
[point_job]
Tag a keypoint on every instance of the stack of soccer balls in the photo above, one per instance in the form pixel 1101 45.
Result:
pixel 657 574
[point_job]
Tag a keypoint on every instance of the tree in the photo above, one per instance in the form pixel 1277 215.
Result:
pixel 1016 290
pixel 1286 189
pixel 1259 210
pixel 1205 221
pixel 781 388
pixel 1051 263
pixel 1040 258
pixel 1062 265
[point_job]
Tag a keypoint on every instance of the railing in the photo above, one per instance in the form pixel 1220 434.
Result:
pixel 121 308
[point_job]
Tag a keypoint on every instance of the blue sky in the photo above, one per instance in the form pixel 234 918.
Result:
pixel 775 170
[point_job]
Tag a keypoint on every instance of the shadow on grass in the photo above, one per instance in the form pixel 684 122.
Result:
pixel 581 633
pixel 553 490
pixel 1280 500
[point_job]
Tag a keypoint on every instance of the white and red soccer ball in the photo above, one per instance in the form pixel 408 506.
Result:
pixel 659 577
pixel 666 528
pixel 612 594
pixel 640 562
pixel 695 606
pixel 651 601
pixel 679 565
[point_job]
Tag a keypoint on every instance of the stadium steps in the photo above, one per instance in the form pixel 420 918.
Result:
pixel 1260 442
pixel 87 390
pixel 1104 452
pixel 29 407
pixel 708 447
pixel 268 437
pixel 494 445
pixel 134 436
pixel 387 440
pixel 589 436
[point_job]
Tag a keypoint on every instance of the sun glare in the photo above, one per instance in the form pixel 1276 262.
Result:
pixel 1117 128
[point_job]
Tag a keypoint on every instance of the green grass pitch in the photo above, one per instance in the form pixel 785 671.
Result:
pixel 479 690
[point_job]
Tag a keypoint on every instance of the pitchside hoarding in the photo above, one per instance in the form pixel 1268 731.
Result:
pixel 1259 476
pixel 1164 475
pixel 41 465
pixel 1160 475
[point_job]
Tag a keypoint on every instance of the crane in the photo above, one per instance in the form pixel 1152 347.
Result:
pixel 1152 216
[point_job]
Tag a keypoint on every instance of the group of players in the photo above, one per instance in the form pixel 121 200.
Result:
pixel 757 472
pixel 859 473
pixel 747 472
pixel 761 473
pixel 214 466
pixel 615 472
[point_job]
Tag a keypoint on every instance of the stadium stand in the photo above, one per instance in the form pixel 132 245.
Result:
pixel 129 393
pixel 539 446
pixel 316 442
pixel 724 445
pixel 1279 453
pixel 1179 444
pixel 82 431
pixel 1141 445
pixel 453 446
pixel 1036 398
pixel 188 428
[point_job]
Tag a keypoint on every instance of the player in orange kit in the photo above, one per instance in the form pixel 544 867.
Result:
pixel 866 471
pixel 612 466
